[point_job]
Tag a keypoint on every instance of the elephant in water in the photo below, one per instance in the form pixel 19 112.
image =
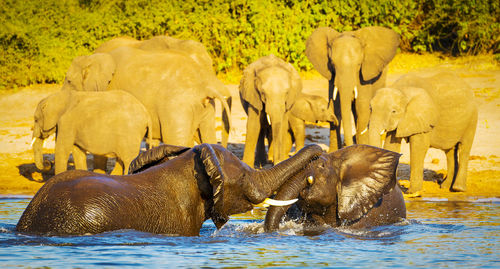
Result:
pixel 355 63
pixel 195 50
pixel 110 124
pixel 268 90
pixel 164 195
pixel 438 112
pixel 355 187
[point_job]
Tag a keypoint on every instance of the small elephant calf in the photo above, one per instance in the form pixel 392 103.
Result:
pixel 311 108
pixel 110 123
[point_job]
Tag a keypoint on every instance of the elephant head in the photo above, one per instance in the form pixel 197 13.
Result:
pixel 90 73
pixel 47 114
pixel 350 60
pixel 313 108
pixel 342 187
pixel 270 86
pixel 401 112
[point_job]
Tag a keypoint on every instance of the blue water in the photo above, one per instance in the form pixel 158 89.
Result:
pixel 436 234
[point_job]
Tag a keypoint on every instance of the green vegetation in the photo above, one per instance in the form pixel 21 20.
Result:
pixel 39 38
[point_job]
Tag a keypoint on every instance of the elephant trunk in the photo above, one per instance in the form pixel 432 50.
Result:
pixel 43 165
pixel 348 91
pixel 279 122
pixel 289 190
pixel 269 180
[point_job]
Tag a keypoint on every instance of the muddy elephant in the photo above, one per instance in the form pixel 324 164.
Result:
pixel 355 64
pixel 310 108
pixel 268 90
pixel 194 49
pixel 174 196
pixel 355 187
pixel 437 111
pixel 109 124
pixel 169 85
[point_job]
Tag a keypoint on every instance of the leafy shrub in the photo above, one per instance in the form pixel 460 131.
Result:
pixel 39 38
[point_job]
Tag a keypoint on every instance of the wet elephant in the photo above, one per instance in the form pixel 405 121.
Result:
pixel 355 186
pixel 173 191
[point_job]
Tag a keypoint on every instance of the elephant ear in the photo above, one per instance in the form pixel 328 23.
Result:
pixel 381 45
pixel 155 156
pixel 366 173
pixel 248 90
pixel 98 72
pixel 214 171
pixel 421 113
pixel 303 109
pixel 317 49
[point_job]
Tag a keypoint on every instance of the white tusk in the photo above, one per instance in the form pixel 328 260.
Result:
pixel 335 90
pixel 310 179
pixel 268 201
pixel 364 131
pixel 32 142
pixel 382 132
pixel 355 92
pixel 268 119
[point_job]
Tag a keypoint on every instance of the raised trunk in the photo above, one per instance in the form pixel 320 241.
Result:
pixel 264 182
pixel 38 155
pixel 289 190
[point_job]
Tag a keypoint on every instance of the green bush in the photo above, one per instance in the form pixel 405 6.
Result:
pixel 39 38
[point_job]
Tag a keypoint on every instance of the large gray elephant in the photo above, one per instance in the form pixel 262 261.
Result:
pixel 169 85
pixel 355 186
pixel 174 197
pixel 194 49
pixel 355 64
pixel 438 112
pixel 310 108
pixel 268 90
pixel 109 124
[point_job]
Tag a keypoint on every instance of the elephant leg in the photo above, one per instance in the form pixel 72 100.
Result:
pixel 419 144
pixel 207 124
pixel 298 128
pixel 362 118
pixel 392 142
pixel 100 164
pixel 80 158
pixel 62 151
pixel 463 152
pixel 335 137
pixel 253 131
pixel 119 167
pixel 451 167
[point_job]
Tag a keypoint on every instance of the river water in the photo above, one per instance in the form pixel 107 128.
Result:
pixel 437 233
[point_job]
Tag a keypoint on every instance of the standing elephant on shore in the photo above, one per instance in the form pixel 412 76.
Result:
pixel 268 90
pixel 109 124
pixel 355 63
pixel 355 187
pixel 311 108
pixel 169 85
pixel 174 197
pixel 195 50
pixel 438 112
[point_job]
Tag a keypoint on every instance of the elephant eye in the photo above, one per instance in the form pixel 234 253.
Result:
pixel 393 111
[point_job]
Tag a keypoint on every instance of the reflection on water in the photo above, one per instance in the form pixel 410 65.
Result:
pixel 437 234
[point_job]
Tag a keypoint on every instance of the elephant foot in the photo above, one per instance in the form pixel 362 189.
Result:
pixel 445 183
pixel 458 188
